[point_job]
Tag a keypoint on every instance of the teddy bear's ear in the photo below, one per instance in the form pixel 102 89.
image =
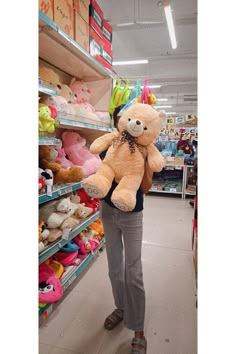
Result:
pixel 72 80
pixel 163 116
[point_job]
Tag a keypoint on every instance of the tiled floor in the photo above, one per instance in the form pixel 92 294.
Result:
pixel 76 327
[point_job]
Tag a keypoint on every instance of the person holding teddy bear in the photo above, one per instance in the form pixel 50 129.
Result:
pixel 127 285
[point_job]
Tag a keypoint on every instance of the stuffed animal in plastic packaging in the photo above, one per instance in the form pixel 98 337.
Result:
pixel 47 160
pixel 79 154
pixel 83 107
pixel 50 78
pixel 138 127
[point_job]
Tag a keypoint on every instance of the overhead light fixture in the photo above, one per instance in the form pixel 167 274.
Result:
pixel 162 99
pixel 170 113
pixel 162 106
pixel 150 86
pixel 130 62
pixel 170 23
pixel 125 24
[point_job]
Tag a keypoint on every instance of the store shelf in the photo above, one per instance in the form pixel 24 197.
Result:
pixel 47 90
pixel 46 140
pixel 73 123
pixel 77 271
pixel 55 247
pixel 160 191
pixel 43 198
pixel 59 49
pixel 190 193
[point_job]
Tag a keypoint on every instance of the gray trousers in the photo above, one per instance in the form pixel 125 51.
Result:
pixel 124 262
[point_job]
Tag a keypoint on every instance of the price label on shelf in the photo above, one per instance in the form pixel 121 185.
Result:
pixel 173 190
pixel 66 234
pixel 65 190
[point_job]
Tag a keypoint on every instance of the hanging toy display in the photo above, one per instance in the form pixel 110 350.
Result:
pixel 125 93
pixel 115 97
pixel 147 96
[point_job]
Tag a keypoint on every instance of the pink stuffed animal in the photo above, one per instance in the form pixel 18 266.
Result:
pixel 79 154
pixel 83 107
pixel 65 163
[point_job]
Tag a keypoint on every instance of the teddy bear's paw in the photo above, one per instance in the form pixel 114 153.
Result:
pixel 93 191
pixel 122 206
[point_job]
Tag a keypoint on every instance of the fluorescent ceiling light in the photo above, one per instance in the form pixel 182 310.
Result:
pixel 162 99
pixel 130 62
pixel 162 106
pixel 150 86
pixel 170 113
pixel 170 24
pixel 125 24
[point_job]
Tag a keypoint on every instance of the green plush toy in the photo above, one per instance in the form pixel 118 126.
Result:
pixel 46 122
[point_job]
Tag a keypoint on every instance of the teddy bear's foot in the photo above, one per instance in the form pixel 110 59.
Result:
pixel 120 205
pixel 93 191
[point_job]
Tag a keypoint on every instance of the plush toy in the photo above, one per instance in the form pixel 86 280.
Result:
pixel 46 122
pixel 47 160
pixel 54 234
pixel 41 181
pixel 65 163
pixel 83 212
pixel 68 94
pixel 43 234
pixel 138 127
pixel 57 211
pixel 83 107
pixel 50 77
pixel 79 154
pixel 70 223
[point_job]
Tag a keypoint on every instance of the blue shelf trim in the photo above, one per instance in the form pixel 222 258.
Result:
pixel 43 198
pixel 89 59
pixel 51 250
pixel 46 140
pixel 47 90
pixel 74 123
pixel 75 274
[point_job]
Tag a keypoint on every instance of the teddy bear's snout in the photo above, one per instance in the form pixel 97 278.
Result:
pixel 138 122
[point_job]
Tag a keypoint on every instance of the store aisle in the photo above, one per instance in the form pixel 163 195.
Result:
pixel 76 327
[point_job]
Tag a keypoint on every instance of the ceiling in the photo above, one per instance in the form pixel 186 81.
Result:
pixel 175 70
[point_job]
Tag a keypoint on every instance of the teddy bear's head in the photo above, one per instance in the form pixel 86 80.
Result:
pixel 72 138
pixel 50 77
pixel 68 94
pixel 48 153
pixel 142 122
pixel 80 88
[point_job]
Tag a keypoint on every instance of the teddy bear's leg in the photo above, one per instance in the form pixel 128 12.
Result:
pixel 98 184
pixel 124 196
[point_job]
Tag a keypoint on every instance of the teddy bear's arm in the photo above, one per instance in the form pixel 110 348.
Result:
pixel 155 159
pixel 103 142
pixel 54 166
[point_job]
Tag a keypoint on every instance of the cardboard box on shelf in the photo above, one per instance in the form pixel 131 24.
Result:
pixel 64 16
pixel 95 17
pixel 46 6
pixel 107 31
pixel 104 63
pixel 81 31
pixel 95 43
pixel 82 8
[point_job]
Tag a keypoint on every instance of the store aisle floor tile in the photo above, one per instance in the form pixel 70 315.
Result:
pixel 171 316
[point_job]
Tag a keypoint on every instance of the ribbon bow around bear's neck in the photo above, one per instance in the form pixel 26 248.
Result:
pixel 131 140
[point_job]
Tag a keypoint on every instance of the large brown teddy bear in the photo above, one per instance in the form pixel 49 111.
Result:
pixel 138 127
pixel 47 159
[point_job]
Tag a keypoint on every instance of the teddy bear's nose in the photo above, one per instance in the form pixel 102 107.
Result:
pixel 138 122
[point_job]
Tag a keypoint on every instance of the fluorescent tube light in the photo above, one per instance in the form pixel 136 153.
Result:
pixel 170 24
pixel 162 106
pixel 162 99
pixel 170 113
pixel 125 24
pixel 150 86
pixel 130 62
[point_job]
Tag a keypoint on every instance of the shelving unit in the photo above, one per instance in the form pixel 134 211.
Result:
pixel 65 55
pixel 74 274
pixel 55 44
pixel 61 190
pixel 186 192
pixel 55 247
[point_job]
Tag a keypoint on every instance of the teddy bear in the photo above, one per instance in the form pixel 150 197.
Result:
pixel 78 153
pixel 43 234
pixel 50 77
pixel 47 160
pixel 138 127
pixel 46 122
pixel 68 94
pixel 64 109
pixel 56 212
pixel 83 107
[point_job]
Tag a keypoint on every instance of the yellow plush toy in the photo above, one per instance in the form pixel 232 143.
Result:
pixel 138 127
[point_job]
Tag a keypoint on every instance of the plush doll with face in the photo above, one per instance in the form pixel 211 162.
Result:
pixel 138 127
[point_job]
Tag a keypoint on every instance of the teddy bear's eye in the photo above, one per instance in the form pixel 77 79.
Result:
pixel 129 119
pixel 145 128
